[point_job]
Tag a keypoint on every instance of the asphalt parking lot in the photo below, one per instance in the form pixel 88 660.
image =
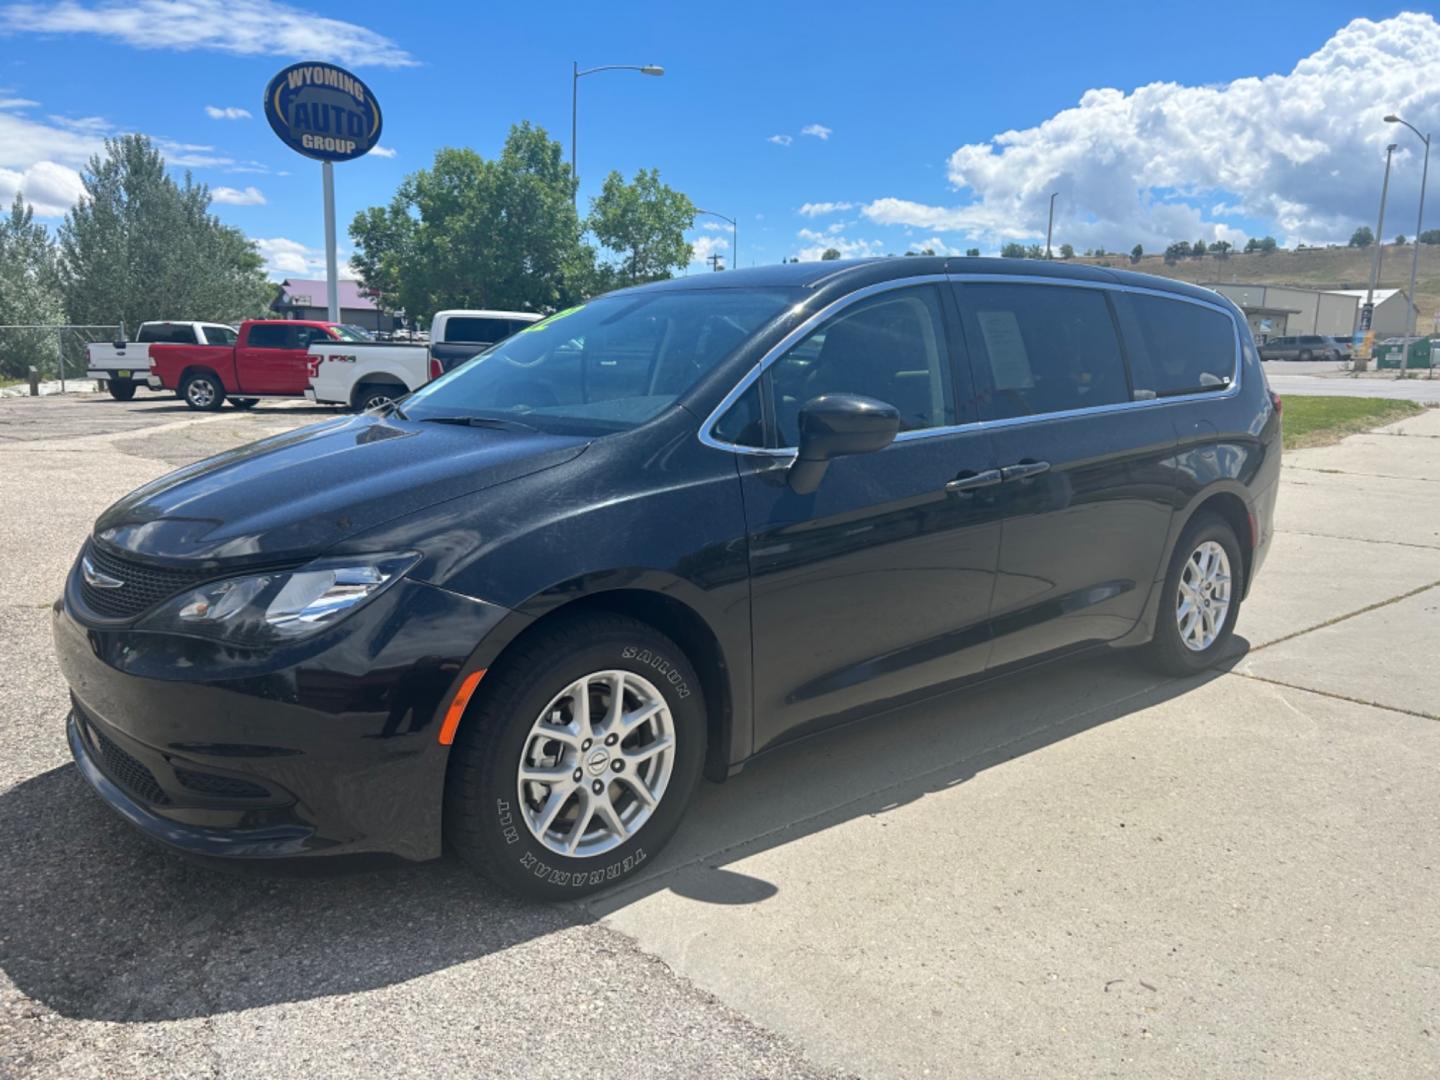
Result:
pixel 1095 871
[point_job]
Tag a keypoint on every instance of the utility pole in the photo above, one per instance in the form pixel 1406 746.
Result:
pixel 715 261
pixel 1367 313
pixel 1049 227
pixel 1415 251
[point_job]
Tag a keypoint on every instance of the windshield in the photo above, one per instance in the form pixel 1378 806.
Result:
pixel 605 366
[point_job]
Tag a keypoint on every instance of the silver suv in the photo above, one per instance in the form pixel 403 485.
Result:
pixel 1305 347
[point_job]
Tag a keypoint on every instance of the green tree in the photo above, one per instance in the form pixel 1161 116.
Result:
pixel 1198 249
pixel 1400 240
pixel 830 254
pixel 1035 251
pixel 470 232
pixel 1220 249
pixel 29 294
pixel 1177 251
pixel 1137 253
pixel 139 246
pixel 1362 237
pixel 1430 236
pixel 1100 253
pixel 1267 245
pixel 644 223
pixel 1013 250
pixel 1067 251
pixel 975 252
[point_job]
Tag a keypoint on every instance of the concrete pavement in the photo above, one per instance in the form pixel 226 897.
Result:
pixel 1328 379
pixel 1088 871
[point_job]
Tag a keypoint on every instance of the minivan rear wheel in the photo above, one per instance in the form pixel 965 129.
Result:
pixel 1201 599
pixel 574 764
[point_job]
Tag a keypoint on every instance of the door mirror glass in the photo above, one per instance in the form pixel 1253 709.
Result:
pixel 839 425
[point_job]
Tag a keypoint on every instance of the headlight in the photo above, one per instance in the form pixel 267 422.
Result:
pixel 265 609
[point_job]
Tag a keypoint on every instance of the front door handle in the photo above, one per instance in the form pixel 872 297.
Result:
pixel 1024 470
pixel 975 481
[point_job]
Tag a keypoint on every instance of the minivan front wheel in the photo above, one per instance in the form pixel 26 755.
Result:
pixel 574 764
pixel 1201 600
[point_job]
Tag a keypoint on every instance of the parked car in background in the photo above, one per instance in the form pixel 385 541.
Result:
pixel 1305 347
pixel 123 365
pixel 524 610
pixel 364 375
pixel 457 335
pixel 268 358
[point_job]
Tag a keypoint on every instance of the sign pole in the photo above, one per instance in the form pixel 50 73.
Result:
pixel 332 286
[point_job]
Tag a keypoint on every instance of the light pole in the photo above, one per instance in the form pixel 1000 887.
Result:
pixel 1419 226
pixel 1050 224
pixel 734 236
pixel 575 75
pixel 1369 307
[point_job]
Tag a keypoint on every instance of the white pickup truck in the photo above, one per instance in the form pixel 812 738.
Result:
pixel 366 374
pixel 124 365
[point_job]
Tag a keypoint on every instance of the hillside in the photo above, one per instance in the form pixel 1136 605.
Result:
pixel 1313 268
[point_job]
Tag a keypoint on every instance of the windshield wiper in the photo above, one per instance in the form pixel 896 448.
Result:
pixel 477 421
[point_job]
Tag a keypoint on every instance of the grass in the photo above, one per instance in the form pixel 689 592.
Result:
pixel 1311 420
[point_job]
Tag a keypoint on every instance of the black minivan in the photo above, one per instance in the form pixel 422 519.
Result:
pixel 522 611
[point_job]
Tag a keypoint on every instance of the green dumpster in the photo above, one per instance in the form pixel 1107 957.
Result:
pixel 1388 356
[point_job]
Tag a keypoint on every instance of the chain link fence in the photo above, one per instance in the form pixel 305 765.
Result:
pixel 55 352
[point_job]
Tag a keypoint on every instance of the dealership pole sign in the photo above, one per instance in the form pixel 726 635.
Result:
pixel 329 114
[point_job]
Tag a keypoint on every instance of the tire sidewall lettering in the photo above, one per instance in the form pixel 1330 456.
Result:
pixel 660 665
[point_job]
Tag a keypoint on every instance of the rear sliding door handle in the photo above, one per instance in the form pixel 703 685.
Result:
pixel 975 481
pixel 1024 470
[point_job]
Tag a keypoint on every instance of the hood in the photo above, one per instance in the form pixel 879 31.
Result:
pixel 292 496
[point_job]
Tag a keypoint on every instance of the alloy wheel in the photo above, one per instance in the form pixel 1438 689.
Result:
pixel 596 763
pixel 201 393
pixel 1203 600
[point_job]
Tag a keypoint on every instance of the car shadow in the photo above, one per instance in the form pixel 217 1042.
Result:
pixel 98 923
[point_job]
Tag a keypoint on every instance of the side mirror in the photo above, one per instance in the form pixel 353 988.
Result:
pixel 838 425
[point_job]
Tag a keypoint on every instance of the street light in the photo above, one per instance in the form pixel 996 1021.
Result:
pixel 575 74
pixel 1050 224
pixel 1419 226
pixel 734 236
pixel 1367 313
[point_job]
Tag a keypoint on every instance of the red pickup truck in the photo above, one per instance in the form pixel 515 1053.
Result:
pixel 270 358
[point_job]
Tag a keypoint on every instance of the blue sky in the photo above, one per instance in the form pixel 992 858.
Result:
pixel 1254 118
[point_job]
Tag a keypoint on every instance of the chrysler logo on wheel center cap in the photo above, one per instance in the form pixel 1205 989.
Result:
pixel 596 762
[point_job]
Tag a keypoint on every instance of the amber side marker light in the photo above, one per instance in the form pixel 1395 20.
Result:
pixel 457 706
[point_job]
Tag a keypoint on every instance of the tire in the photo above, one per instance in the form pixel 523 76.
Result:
pixel 372 395
pixel 490 814
pixel 203 391
pixel 121 389
pixel 244 402
pixel 1168 651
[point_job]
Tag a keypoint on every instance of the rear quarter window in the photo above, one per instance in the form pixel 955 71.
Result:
pixel 1176 347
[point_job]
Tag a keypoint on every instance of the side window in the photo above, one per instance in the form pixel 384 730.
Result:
pixel 302 337
pixel 742 424
pixel 890 347
pixel 219 335
pixel 1041 349
pixel 269 336
pixel 1177 347
pixel 470 328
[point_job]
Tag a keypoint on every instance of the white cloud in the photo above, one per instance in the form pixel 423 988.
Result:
pixel 716 226
pixel 702 247
pixel 820 131
pixel 241 27
pixel 817 243
pixel 290 258
pixel 40 159
pixel 229 112
pixel 229 196
pixel 780 140
pixel 50 188
pixel 1301 152
pixel 819 209
pixel 382 151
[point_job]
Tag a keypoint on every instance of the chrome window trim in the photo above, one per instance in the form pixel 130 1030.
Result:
pixel 707 437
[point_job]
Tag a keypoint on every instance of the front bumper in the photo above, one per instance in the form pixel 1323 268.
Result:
pixel 327 747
